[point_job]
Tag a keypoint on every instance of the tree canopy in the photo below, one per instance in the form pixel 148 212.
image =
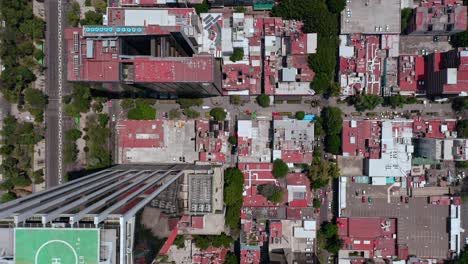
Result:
pixel 204 242
pixel 190 113
pixel 233 188
pixel 218 113
pixel 460 103
pixel 365 102
pixel 80 100
pixel 142 112
pixel 333 144
pixel 280 168
pixel 328 233
pixel 189 102
pixel 272 192
pixel 237 55
pixel 300 115
pixel 460 39
pixel 263 100
pixel 406 14
pixel 462 128
pixel 336 6
pixel 332 120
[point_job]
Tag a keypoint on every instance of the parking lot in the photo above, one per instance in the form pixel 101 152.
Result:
pixel 421 226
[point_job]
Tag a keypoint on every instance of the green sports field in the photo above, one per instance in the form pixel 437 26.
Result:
pixel 56 246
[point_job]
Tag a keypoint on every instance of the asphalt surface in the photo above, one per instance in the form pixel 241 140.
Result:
pixel 52 86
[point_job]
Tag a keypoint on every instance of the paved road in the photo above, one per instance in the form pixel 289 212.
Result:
pixel 52 115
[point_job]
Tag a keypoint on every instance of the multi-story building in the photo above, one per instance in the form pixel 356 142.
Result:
pixel 442 149
pixel 151 48
pixel 435 17
pixel 93 218
pixel 447 73
pixel 293 140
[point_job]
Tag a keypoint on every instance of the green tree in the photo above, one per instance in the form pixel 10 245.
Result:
pixel 237 55
pixel 233 189
pixel 6 150
pixel 460 40
pixel 142 112
pixel 103 119
pixel 395 101
pixel 6 185
pixel 35 98
pixel 97 107
pixel 222 240
pixel 190 113
pixel 73 15
pixel 21 181
pixel 232 140
pixel 73 134
pixel 316 203
pixel 462 128
pixel 333 144
pixel 365 102
pixel 179 241
pixel 406 15
pixel 240 9
pixel 462 164
pixel 174 114
pixel 127 103
pixel 202 8
pixel 263 100
pixel 321 83
pixel 218 113
pixel 235 99
pixel 231 259
pixel 92 18
pixel 333 170
pixel 329 233
pixel 463 258
pixel 70 152
pixel 8 196
pixel 460 103
pixel 336 6
pixel 272 192
pixel 202 242
pixel 189 102
pixel 332 120
pixel 318 129
pixel 38 176
pixel 300 115
pixel 233 186
pixel 280 168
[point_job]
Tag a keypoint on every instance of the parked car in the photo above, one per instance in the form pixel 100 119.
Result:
pixel 363 192
pixel 329 204
pixel 363 199
pixel 369 200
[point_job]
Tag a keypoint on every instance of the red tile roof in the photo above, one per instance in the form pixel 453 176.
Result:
pixel 435 12
pixel 141 133
pixel 256 174
pixel 366 61
pixel 432 128
pixel 210 255
pixel 411 70
pixel 363 139
pixel 181 69
pixel 276 229
pixel 376 235
pixel 198 222
pixel 250 256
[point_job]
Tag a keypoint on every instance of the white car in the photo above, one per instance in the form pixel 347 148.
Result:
pixel 205 107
